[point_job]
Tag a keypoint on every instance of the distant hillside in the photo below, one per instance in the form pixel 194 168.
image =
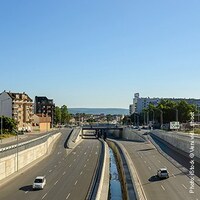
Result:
pixel 96 111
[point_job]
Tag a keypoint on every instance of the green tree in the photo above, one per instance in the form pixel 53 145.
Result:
pixel 9 124
pixel 65 116
pixel 57 115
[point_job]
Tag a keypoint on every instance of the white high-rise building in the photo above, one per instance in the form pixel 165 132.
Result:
pixel 140 103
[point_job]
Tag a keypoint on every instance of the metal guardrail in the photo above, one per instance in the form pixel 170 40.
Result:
pixel 6 151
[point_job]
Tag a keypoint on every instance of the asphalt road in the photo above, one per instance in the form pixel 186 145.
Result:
pixel 147 161
pixel 68 175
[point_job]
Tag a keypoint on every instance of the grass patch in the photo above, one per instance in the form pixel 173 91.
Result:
pixel 7 135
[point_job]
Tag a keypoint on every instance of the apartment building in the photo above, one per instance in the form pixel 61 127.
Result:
pixel 43 105
pixel 18 106
pixel 139 103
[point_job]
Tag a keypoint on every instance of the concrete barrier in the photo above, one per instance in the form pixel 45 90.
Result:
pixel 180 141
pixel 17 161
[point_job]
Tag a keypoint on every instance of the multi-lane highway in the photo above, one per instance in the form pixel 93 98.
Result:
pixel 68 175
pixel 147 161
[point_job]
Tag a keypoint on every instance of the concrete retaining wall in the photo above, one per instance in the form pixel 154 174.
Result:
pixel 127 134
pixel 17 161
pixel 180 141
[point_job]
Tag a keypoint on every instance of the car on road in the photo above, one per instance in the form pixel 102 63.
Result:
pixel 162 173
pixel 39 182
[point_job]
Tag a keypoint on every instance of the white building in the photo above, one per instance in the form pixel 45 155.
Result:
pixel 140 103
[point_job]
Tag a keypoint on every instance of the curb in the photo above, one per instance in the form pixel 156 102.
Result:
pixel 103 189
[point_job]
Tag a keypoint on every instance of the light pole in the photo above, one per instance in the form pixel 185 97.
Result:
pixel 161 119
pixel 176 114
pixel 17 140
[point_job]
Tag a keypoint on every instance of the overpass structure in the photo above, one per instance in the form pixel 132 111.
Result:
pixel 99 131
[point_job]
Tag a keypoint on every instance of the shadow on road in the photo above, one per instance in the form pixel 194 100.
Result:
pixel 26 188
pixel 154 178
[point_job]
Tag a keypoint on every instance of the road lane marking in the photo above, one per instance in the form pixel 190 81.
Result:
pixel 74 159
pixel 64 173
pixel 70 165
pixel 56 182
pixel 159 161
pixel 75 182
pixel 162 187
pixel 96 153
pixel 85 153
pixel 81 173
pixel 68 196
pixel 149 168
pixel 55 166
pixel 145 161
pixel 173 175
pixel 88 160
pixel 59 162
pixel 184 186
pixel 50 171
pixel 85 165
pixel 26 192
pixel 44 196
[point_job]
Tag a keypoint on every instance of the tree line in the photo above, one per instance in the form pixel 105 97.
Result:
pixel 164 112
pixel 62 116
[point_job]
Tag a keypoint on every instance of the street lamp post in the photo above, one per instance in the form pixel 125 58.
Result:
pixel 17 141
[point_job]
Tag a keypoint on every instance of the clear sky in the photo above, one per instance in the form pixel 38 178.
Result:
pixel 98 53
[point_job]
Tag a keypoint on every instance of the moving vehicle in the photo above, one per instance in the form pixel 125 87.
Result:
pixel 162 173
pixel 39 182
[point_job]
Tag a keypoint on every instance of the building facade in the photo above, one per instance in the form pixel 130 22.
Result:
pixel 140 103
pixel 45 106
pixel 18 106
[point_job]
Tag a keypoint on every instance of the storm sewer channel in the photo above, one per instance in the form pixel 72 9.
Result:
pixel 115 183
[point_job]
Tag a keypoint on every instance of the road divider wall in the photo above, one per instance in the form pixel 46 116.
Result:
pixel 74 138
pixel 20 159
pixel 179 141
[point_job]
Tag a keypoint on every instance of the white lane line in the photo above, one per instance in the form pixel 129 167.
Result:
pixel 74 159
pixel 149 168
pixel 85 153
pixel 26 192
pixel 64 173
pixel 59 162
pixel 145 161
pixel 162 187
pixel 55 166
pixel 81 173
pixel 173 175
pixel 75 182
pixel 159 161
pixel 50 171
pixel 96 153
pixel 184 186
pixel 88 160
pixel 85 165
pixel 70 165
pixel 56 182
pixel 44 196
pixel 68 196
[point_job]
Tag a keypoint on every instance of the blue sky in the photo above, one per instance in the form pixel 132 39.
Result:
pixel 98 53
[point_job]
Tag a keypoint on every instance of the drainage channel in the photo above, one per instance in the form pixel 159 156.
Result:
pixel 115 184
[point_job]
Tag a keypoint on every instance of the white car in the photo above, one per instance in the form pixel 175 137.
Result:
pixel 163 173
pixel 39 182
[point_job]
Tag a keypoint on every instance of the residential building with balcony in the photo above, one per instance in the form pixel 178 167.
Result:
pixel 18 106
pixel 43 105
